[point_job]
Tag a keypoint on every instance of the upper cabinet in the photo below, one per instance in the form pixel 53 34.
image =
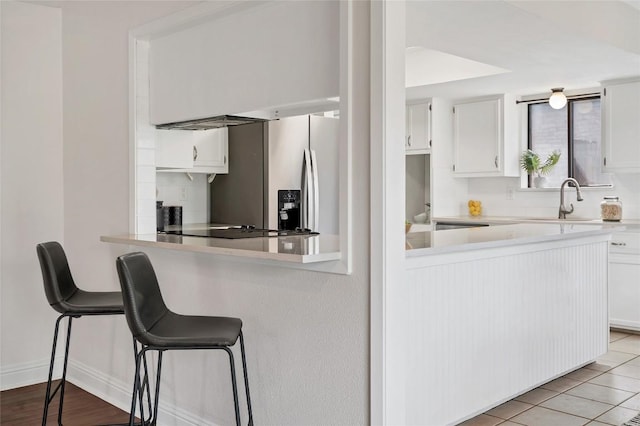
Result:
pixel 621 127
pixel 173 150
pixel 272 55
pixel 485 137
pixel 198 151
pixel 210 151
pixel 418 136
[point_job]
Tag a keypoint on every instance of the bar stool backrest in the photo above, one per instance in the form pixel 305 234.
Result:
pixel 56 275
pixel 143 302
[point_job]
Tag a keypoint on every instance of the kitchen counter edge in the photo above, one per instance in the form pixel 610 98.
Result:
pixel 473 239
pixel 251 248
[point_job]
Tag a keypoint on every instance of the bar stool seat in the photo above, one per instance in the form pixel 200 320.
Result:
pixel 157 328
pixel 92 302
pixel 175 330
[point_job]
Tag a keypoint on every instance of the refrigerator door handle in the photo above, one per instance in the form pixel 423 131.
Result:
pixel 307 199
pixel 315 212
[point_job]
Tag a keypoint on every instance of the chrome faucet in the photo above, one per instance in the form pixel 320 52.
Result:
pixel 563 212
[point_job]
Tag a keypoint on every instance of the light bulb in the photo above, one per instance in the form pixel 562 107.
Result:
pixel 557 100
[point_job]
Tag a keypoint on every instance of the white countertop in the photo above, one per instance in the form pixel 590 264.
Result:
pixel 514 219
pixel 305 249
pixel 300 249
pixel 465 239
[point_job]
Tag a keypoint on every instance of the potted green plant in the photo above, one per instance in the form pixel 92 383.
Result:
pixel 533 165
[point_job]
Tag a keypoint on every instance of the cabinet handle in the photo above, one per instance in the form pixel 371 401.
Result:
pixel 605 161
pixel 495 161
pixel 195 153
pixel 225 159
pixel 409 140
pixel 614 243
pixel 429 143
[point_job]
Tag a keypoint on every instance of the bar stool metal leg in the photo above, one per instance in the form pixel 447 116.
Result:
pixel 143 386
pixel 246 379
pixel 64 372
pixel 48 397
pixel 157 395
pixel 48 394
pixel 234 385
pixel 136 385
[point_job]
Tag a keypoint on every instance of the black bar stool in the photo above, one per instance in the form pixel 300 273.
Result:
pixel 71 302
pixel 157 328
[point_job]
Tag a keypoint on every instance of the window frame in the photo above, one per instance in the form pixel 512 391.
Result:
pixel 570 131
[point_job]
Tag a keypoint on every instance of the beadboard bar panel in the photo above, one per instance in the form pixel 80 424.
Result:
pixel 488 329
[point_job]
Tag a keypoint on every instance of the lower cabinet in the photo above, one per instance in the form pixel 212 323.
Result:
pixel 624 287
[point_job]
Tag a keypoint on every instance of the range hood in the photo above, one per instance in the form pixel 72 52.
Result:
pixel 210 123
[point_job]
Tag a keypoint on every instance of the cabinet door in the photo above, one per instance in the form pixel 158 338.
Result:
pixel 192 77
pixel 210 150
pixel 621 127
pixel 174 149
pixel 477 137
pixel 624 293
pixel 418 128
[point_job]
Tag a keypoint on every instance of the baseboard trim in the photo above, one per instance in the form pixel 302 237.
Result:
pixel 626 325
pixel 28 373
pixel 118 393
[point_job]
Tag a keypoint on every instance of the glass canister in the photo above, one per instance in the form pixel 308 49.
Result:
pixel 611 209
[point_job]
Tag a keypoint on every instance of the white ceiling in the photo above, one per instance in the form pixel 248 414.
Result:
pixel 542 44
pixel 420 70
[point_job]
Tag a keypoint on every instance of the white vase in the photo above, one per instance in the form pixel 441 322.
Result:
pixel 540 182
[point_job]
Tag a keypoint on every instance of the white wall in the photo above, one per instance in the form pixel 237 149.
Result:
pixel 32 191
pixel 307 333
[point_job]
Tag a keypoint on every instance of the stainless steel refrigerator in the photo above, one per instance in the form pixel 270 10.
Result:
pixel 294 153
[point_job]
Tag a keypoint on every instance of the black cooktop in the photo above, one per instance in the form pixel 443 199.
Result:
pixel 241 232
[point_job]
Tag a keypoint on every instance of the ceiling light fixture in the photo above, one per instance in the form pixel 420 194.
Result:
pixel 557 100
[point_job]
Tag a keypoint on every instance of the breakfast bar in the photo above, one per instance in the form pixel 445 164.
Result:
pixel 491 312
pixel 297 249
pixel 495 311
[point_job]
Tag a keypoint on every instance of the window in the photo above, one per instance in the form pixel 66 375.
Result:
pixel 574 131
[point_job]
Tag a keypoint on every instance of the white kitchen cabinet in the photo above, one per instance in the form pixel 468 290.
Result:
pixel 173 150
pixel 621 127
pixel 211 151
pixel 418 137
pixel 285 54
pixel 193 151
pixel 624 288
pixel 485 137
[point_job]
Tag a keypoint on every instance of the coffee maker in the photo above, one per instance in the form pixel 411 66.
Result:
pixel 288 209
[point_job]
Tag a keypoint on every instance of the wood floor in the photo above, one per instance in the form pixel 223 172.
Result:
pixel 23 406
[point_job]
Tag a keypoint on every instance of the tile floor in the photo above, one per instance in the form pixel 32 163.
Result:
pixel 606 392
